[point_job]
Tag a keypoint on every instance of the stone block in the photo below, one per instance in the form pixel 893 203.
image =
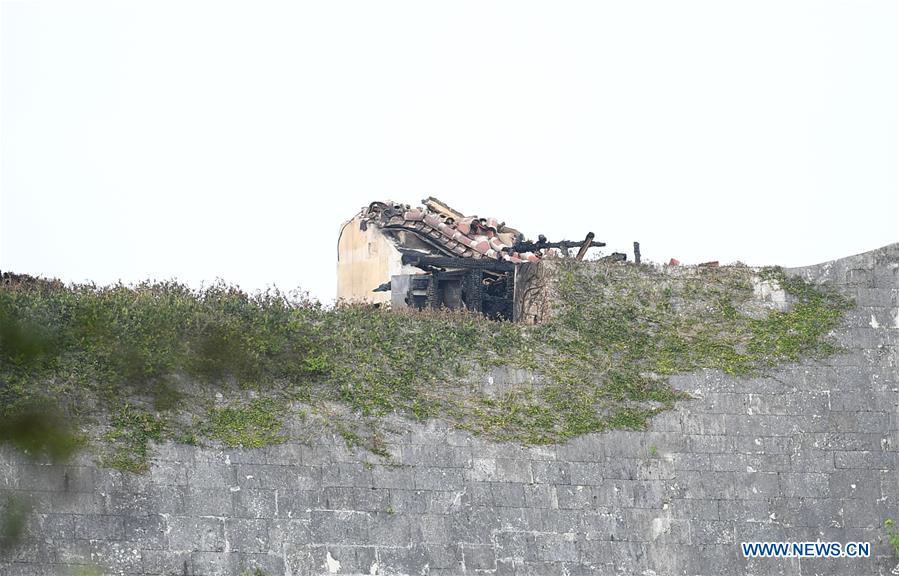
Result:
pixel 148 532
pixel 196 534
pixel 116 557
pixel 253 503
pixel 247 535
pixel 99 527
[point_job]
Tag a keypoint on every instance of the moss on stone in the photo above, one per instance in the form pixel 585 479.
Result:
pixel 254 425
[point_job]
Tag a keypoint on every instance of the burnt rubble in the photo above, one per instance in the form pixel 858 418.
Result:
pixel 466 262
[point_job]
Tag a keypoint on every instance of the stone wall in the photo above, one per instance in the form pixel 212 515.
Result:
pixel 807 453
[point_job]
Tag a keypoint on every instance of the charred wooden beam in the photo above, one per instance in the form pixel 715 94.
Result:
pixel 422 261
pixel 614 257
pixel 542 244
pixel 585 246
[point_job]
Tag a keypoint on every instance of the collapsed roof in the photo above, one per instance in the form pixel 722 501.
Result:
pixel 437 256
pixel 450 232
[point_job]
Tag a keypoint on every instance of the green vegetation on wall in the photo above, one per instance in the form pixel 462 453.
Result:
pixel 148 361
pixel 253 426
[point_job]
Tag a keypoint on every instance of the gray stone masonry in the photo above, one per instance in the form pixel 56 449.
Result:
pixel 807 453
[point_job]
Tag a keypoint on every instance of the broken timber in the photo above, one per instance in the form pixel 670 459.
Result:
pixel 435 256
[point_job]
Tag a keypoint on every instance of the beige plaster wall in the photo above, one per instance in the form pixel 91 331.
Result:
pixel 365 259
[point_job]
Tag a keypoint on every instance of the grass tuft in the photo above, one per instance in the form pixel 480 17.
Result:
pixel 129 440
pixel 253 426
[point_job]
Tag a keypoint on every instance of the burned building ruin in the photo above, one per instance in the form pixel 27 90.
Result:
pixel 434 256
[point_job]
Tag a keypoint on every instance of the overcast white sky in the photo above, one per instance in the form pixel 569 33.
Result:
pixel 199 140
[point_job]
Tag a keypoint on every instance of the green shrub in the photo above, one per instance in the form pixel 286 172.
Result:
pixel 253 426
